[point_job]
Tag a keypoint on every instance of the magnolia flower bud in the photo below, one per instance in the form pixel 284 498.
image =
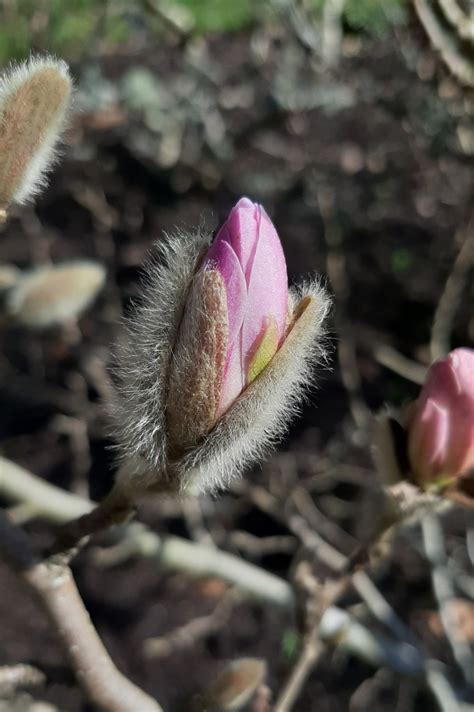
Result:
pixel 233 322
pixel 441 421
pixel 34 99
pixel 217 356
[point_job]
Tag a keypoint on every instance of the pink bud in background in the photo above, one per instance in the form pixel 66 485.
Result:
pixel 249 257
pixel 441 427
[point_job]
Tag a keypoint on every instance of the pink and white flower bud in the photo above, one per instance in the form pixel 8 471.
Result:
pixel 248 255
pixel 218 356
pixel 441 421
pixel 233 323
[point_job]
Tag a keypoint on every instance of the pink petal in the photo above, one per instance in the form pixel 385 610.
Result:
pixel 428 440
pixel 451 384
pixel 234 382
pixel 241 231
pixel 223 257
pixel 462 363
pixel 267 295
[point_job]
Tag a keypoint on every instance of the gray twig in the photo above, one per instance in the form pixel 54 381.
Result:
pixel 451 297
pixel 58 506
pixel 56 591
pixel 443 589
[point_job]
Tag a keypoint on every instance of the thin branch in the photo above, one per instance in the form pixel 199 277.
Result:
pixel 331 33
pixel 451 297
pixel 380 608
pixel 445 44
pixel 44 500
pixel 58 506
pixel 196 629
pixel 398 363
pixel 56 591
pixel 443 590
pixel 309 657
pixel 341 628
pixel 463 24
pixel 112 510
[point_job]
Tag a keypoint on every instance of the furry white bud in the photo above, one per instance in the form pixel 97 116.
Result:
pixel 53 295
pixel 153 406
pixel 34 99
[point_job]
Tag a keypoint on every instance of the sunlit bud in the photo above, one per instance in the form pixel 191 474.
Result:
pixel 54 295
pixel 248 256
pixel 441 421
pixel 233 324
pixel 217 358
pixel 34 99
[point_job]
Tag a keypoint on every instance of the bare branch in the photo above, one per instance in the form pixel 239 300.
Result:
pixel 451 297
pixel 443 590
pixel 56 591
pixel 445 44
pixel 311 653
pixel 56 505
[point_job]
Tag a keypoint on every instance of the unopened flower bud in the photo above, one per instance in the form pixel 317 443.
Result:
pixel 53 295
pixel 441 422
pixel 217 356
pixel 34 99
pixel 234 322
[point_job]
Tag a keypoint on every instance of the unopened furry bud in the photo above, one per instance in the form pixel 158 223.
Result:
pixel 54 295
pixel 217 357
pixel 34 99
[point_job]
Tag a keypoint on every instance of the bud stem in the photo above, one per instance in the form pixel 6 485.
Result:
pixel 115 508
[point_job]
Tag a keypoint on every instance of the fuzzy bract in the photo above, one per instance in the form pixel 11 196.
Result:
pixel 218 357
pixel 34 100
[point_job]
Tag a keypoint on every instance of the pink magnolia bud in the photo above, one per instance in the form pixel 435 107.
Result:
pixel 248 255
pixel 233 323
pixel 217 359
pixel 441 427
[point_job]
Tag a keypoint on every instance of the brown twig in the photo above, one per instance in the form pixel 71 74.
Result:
pixel 311 653
pixel 398 363
pixel 56 591
pixel 451 297
pixel 196 629
pixel 114 509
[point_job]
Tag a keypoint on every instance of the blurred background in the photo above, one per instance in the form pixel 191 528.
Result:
pixel 351 121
